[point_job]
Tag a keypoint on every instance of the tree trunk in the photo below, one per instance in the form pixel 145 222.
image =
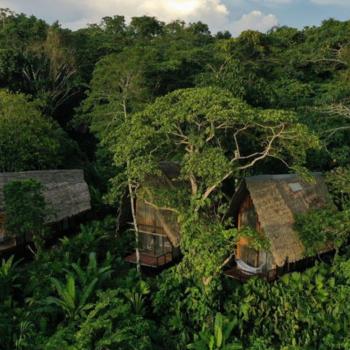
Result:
pixel 136 229
pixel 132 201
pixel 119 215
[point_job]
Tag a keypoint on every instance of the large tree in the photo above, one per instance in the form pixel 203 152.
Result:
pixel 49 70
pixel 215 138
pixel 213 135
pixel 28 140
pixel 118 89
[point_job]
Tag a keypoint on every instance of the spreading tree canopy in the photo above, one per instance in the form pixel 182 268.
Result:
pixel 28 140
pixel 213 135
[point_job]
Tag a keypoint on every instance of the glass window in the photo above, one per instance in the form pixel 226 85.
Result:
pixel 154 245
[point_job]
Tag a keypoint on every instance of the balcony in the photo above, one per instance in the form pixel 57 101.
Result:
pixel 148 260
pixel 155 249
pixel 242 276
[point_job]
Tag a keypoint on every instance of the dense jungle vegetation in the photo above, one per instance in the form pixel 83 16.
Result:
pixel 115 99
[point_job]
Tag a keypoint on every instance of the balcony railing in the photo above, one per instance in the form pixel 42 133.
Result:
pixel 149 229
pixel 153 253
pixel 242 276
pixel 150 260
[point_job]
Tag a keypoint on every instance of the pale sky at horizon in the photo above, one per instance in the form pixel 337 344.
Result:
pixel 233 15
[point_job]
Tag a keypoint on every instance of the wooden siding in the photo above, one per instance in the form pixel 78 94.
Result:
pixel 247 217
pixel 156 227
pixel 156 221
pixel 147 218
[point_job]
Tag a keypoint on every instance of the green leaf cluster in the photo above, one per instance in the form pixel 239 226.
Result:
pixel 26 210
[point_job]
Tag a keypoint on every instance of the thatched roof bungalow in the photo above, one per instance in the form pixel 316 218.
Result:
pixel 269 204
pixel 159 232
pixel 65 191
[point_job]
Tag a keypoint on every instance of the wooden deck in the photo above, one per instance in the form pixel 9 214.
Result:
pixel 238 275
pixel 150 260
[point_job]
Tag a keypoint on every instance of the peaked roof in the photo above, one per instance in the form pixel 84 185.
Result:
pixel 277 200
pixel 66 192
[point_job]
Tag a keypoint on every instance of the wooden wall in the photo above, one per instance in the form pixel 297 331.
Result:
pixel 147 218
pixel 154 224
pixel 247 217
pixel 153 220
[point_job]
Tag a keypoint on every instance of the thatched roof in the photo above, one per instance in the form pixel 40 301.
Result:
pixel 65 191
pixel 277 200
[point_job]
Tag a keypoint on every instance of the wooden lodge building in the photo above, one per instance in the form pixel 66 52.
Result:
pixel 66 194
pixel 159 232
pixel 269 204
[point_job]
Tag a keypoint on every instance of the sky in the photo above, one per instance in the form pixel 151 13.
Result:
pixel 232 15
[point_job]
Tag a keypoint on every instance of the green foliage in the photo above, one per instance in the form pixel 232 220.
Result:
pixel 136 297
pixel 49 71
pixel 28 140
pixel 112 324
pixel 331 122
pixel 58 261
pixel 62 339
pixel 70 300
pixel 25 335
pixel 93 236
pixel 17 31
pixel 301 311
pixel 8 277
pixel 14 324
pixel 188 125
pixel 116 78
pixel 205 243
pixel 214 137
pixel 323 227
pixel 188 305
pixel 218 338
pixel 26 211
pixel 222 108
pixel 338 182
pixel 256 240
